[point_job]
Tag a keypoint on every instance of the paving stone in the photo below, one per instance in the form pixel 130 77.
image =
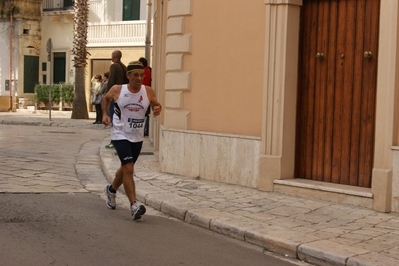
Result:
pixel 327 252
pixel 200 217
pixel 227 228
pixel 277 239
pixel 372 259
pixel 288 222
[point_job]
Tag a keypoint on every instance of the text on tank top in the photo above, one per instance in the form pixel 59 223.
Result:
pixel 129 116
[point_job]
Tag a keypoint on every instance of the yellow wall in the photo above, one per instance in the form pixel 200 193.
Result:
pixel 128 54
pixel 226 64
pixel 4 103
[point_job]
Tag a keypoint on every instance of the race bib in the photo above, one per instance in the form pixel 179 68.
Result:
pixel 134 125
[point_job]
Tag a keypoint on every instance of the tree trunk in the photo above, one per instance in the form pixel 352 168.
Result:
pixel 80 25
pixel 79 110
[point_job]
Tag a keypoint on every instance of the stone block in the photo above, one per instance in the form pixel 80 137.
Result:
pixel 175 26
pixel 178 44
pixel 178 81
pixel 174 62
pixel 173 99
pixel 179 8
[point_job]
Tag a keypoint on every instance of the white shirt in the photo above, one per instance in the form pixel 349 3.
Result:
pixel 129 117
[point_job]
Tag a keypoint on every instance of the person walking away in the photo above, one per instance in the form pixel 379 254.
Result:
pixel 99 113
pixel 147 82
pixel 104 85
pixel 117 75
pixel 96 97
pixel 127 133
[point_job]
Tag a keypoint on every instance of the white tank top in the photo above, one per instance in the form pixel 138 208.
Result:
pixel 129 117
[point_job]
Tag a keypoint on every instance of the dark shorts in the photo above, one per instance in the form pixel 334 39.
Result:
pixel 128 152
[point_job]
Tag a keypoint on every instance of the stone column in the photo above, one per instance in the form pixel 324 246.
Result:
pixel 277 159
pixel 383 186
pixel 177 79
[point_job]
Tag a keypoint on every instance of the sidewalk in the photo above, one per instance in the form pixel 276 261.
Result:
pixel 318 232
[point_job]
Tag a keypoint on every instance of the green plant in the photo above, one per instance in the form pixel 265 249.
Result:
pixel 64 91
pixel 41 93
pixel 67 92
pixel 55 93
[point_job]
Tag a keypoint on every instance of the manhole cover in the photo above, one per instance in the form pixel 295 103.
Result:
pixel 146 153
pixel 63 132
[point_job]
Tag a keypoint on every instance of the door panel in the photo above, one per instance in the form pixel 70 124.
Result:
pixel 59 67
pixel 336 91
pixel 31 73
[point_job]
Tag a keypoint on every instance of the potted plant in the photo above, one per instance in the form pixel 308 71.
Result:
pixel 41 95
pixel 55 96
pixel 67 94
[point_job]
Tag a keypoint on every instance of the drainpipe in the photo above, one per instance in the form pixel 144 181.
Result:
pixel 11 37
pixel 148 35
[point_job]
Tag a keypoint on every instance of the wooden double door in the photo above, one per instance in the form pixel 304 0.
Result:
pixel 337 91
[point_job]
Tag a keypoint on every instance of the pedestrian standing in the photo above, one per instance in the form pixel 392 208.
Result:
pixel 147 82
pixel 117 75
pixel 127 133
pixel 96 96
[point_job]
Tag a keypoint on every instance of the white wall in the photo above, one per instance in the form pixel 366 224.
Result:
pixel 111 10
pixel 61 34
pixel 5 57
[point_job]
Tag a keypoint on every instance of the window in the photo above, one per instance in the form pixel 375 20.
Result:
pixel 131 9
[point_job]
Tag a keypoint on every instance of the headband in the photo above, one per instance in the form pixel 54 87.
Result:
pixel 134 66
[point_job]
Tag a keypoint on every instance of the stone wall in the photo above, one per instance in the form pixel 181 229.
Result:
pixel 217 157
pixel 395 179
pixel 4 103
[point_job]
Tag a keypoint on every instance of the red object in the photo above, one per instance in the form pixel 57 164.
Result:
pixel 147 78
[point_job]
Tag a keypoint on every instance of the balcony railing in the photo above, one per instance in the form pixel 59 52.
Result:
pixel 57 5
pixel 117 33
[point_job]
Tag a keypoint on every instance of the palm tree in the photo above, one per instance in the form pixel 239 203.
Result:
pixel 79 51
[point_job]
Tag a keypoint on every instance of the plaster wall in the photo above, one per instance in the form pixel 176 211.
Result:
pixel 216 58
pixel 226 66
pixel 5 58
pixel 60 29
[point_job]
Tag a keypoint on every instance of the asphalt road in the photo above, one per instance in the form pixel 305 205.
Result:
pixel 77 229
pixel 48 218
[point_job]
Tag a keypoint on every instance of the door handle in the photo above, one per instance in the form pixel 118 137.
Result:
pixel 368 54
pixel 319 55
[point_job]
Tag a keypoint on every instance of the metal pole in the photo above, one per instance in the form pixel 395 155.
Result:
pixel 49 47
pixel 49 92
pixel 148 34
pixel 11 37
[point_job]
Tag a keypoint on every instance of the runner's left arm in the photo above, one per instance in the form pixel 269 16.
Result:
pixel 155 105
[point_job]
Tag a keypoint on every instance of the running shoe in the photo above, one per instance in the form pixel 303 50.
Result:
pixel 109 146
pixel 111 197
pixel 137 211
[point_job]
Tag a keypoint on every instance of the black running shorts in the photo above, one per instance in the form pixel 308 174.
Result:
pixel 128 152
